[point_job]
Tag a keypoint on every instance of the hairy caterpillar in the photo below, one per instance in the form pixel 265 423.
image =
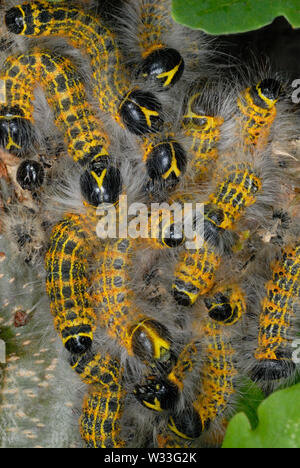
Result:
pixel 278 311
pixel 103 405
pixel 67 282
pixel 204 131
pixel 138 334
pixel 195 271
pixel 86 141
pixel 139 111
pixel 217 386
pixel 161 64
pixel 257 105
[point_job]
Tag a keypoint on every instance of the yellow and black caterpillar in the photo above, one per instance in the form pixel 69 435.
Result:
pixel 257 106
pixel 67 282
pixel 140 335
pixel 212 397
pixel 204 132
pixel 100 421
pixel 86 141
pixel 195 271
pixel 278 313
pixel 139 111
pixel 161 64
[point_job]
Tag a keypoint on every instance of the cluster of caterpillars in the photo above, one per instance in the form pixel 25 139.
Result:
pixel 179 356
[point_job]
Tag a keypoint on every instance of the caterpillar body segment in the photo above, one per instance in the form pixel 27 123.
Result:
pixel 139 111
pixel 194 274
pixel 227 306
pixel 161 393
pixel 257 106
pixel 67 282
pixel 278 313
pixel 140 335
pixel 100 421
pixel 204 132
pixel 237 191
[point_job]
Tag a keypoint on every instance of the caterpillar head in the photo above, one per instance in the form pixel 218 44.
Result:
pixel 15 20
pixel 226 307
pixel 164 67
pixel 30 175
pixel 187 425
pixel 151 342
pixel 266 93
pixel 101 184
pixel 16 132
pixel 78 343
pixel 158 394
pixel 167 161
pixel 184 293
pixel 140 112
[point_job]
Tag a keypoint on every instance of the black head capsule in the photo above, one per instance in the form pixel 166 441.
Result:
pixel 167 161
pixel 16 133
pixel 141 112
pixel 158 394
pixel 151 342
pixel 78 344
pixel 266 93
pixel 164 67
pixel 219 308
pixel 101 184
pixel 30 175
pixel 15 21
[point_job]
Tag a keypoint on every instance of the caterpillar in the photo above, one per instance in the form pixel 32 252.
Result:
pixel 159 63
pixel 86 141
pixel 140 335
pixel 67 282
pixel 138 110
pixel 195 271
pixel 103 405
pixel 257 106
pixel 278 312
pixel 217 386
pixel 204 132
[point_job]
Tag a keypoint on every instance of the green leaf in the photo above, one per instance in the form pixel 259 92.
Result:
pixel 279 423
pixel 233 16
pixel 250 399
